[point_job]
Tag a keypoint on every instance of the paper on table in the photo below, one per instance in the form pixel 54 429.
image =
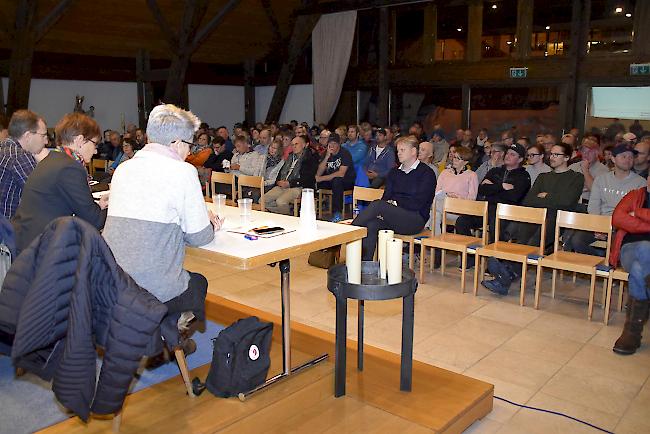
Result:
pixel 383 237
pixel 99 194
pixel 394 260
pixel 353 261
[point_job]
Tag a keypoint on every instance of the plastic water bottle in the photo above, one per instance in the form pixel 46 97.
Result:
pixel 355 212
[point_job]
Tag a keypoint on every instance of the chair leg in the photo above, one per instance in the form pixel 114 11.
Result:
pixel 442 261
pixel 432 259
pixel 320 205
pixel 182 366
pixel 463 267
pixel 620 295
pixel 608 300
pixel 574 277
pixel 538 284
pixel 603 297
pixel 522 293
pixel 553 282
pixel 423 255
pixel 592 291
pixel 117 421
pixel 478 265
pixel 411 253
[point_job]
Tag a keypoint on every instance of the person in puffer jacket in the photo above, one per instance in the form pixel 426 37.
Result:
pixel 63 296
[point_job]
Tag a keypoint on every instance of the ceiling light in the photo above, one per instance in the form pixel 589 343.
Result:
pixel 618 10
pixel 494 6
pixel 629 15
pixel 459 29
pixel 548 27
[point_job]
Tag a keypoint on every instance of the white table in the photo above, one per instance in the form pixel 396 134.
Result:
pixel 236 251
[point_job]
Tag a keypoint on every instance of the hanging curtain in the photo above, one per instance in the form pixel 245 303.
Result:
pixel 331 46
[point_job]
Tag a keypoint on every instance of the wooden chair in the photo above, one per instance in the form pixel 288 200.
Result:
pixel 622 276
pixel 412 240
pixel 571 261
pixel 325 192
pixel 223 178
pixel 97 165
pixel 510 251
pixel 365 194
pixel 252 182
pixel 459 243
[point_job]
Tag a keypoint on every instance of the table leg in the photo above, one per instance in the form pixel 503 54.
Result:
pixel 285 270
pixel 360 336
pixel 287 370
pixel 407 343
pixel 340 351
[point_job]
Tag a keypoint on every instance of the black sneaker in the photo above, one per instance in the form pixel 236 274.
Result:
pixel 495 286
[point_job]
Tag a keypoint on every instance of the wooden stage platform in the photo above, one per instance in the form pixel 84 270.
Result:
pixel 441 401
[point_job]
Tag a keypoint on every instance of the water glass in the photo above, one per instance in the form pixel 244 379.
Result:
pixel 219 201
pixel 245 210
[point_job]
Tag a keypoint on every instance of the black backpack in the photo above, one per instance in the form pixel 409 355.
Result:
pixel 240 357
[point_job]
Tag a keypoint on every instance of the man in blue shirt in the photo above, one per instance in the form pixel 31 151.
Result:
pixel 380 160
pixel 27 138
pixel 336 172
pixel 406 203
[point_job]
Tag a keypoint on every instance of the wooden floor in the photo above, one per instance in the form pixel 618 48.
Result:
pixel 441 401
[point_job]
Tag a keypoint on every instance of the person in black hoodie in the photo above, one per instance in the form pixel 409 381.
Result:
pixel 506 184
pixel 218 156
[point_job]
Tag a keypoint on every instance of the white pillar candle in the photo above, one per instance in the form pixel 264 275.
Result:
pixel 383 237
pixel 394 261
pixel 353 261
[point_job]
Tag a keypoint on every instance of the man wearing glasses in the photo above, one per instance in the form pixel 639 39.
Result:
pixel 27 138
pixel 556 190
pixel 497 152
pixel 642 159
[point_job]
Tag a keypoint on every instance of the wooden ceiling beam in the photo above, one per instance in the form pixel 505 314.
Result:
pixel 50 19
pixel 207 30
pixel 268 10
pixel 168 33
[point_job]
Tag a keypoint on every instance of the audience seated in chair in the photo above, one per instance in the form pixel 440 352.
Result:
pixel 406 202
pixel 559 189
pixel 297 172
pixel 358 151
pixel 336 172
pixel 380 160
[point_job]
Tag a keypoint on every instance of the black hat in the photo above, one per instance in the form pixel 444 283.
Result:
pixel 381 131
pixel 623 147
pixel 334 138
pixel 519 149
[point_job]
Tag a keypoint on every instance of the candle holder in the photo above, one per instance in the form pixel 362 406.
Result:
pixel 372 287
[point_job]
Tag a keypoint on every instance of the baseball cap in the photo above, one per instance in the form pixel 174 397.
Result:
pixel 519 149
pixel 334 138
pixel 381 131
pixel 623 147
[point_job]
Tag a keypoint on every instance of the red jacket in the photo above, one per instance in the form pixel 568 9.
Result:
pixel 624 223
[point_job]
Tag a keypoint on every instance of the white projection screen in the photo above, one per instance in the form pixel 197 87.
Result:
pixel 621 102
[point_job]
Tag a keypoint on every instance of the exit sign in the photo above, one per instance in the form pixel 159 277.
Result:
pixel 640 69
pixel 518 72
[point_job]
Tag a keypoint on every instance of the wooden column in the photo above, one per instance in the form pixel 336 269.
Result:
pixel 184 43
pixel 580 20
pixel 300 36
pixel 430 33
pixel 466 109
pixel 145 88
pixel 524 33
pixel 474 31
pixel 641 42
pixel 28 31
pixel 249 92
pixel 383 85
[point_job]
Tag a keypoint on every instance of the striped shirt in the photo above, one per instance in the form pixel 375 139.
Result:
pixel 16 165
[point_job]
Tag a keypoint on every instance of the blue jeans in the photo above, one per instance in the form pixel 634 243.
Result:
pixel 635 259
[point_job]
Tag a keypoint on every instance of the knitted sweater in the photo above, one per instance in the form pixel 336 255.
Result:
pixel 156 200
pixel 412 191
pixel 465 184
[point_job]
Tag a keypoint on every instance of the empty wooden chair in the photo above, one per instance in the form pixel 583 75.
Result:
pixel 223 178
pixel 464 244
pixel 572 261
pixel 509 251
pixel 252 182
pixel 622 276
pixel 97 165
pixel 365 194
pixel 323 193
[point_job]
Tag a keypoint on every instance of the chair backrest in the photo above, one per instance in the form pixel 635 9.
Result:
pixel 523 214
pixel 478 208
pixel 95 164
pixel 583 222
pixel 223 178
pixel 365 194
pixel 253 182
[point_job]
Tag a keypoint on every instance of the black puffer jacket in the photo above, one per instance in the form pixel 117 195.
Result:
pixel 64 295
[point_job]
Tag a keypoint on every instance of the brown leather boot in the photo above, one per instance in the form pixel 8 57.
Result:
pixel 635 318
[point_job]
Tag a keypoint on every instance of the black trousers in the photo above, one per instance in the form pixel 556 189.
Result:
pixel 338 186
pixel 193 299
pixel 381 215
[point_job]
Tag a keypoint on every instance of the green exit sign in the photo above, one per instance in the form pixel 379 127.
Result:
pixel 518 72
pixel 640 69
